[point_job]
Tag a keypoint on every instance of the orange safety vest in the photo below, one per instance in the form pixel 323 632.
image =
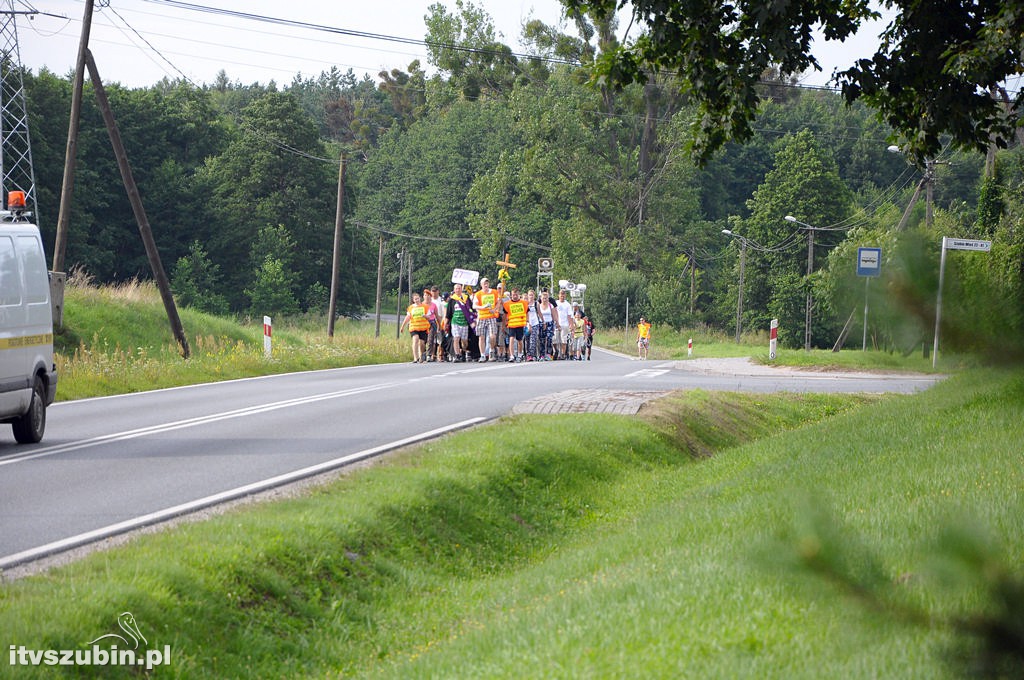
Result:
pixel 485 301
pixel 516 312
pixel 418 317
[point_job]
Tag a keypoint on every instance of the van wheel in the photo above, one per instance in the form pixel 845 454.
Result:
pixel 29 428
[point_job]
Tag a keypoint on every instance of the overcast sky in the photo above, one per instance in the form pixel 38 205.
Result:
pixel 138 42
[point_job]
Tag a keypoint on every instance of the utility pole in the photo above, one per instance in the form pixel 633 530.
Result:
pixel 68 184
pixel 410 277
pixel 927 183
pixel 140 213
pixel 810 269
pixel 339 229
pixel 398 309
pixel 810 291
pixel 739 297
pixel 380 280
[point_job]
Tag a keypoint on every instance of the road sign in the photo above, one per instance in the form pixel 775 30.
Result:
pixel 966 244
pixel 869 261
pixel 951 244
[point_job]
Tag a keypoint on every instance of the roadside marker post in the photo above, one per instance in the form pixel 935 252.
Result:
pixel 951 244
pixel 267 332
pixel 869 264
pixel 774 339
pixel 689 348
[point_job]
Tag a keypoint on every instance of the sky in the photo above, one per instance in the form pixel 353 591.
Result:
pixel 138 42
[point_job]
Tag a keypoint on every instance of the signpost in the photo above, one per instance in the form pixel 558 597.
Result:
pixel 773 339
pixel 951 244
pixel 869 265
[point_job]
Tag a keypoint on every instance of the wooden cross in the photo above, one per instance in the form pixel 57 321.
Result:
pixel 505 264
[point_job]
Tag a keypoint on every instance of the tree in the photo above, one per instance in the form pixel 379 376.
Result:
pixel 608 291
pixel 465 46
pixel 196 282
pixel 804 183
pixel 933 75
pixel 274 172
pixel 271 291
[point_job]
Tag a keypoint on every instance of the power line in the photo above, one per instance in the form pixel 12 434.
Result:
pixel 501 54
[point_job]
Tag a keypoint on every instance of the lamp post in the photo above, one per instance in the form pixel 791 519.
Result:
pixel 927 182
pixel 810 269
pixel 739 296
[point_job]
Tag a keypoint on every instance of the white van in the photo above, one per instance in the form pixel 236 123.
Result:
pixel 28 376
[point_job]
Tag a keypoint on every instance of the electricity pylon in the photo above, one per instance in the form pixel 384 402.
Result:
pixel 16 170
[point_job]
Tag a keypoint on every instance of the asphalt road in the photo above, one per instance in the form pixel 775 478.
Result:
pixel 114 464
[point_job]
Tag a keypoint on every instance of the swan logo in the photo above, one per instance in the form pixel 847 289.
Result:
pixel 111 649
pixel 126 621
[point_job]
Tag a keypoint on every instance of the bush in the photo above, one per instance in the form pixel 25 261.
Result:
pixel 608 291
pixel 196 282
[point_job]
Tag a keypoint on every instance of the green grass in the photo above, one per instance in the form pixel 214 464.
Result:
pixel 116 339
pixel 667 345
pixel 721 535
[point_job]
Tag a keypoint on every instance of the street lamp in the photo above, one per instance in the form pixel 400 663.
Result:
pixel 739 297
pixel 810 268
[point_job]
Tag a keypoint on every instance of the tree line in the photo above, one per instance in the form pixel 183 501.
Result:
pixel 495 152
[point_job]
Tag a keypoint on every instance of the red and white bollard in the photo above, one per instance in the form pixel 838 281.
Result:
pixel 774 339
pixel 689 348
pixel 268 329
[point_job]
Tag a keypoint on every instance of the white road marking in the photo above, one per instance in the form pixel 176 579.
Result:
pixel 238 492
pixel 646 373
pixel 190 422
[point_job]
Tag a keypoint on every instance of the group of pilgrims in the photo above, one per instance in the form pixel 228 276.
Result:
pixel 497 324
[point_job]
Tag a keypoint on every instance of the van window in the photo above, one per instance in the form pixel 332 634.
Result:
pixel 37 281
pixel 10 284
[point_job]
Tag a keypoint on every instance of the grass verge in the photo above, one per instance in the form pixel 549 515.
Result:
pixel 116 340
pixel 687 543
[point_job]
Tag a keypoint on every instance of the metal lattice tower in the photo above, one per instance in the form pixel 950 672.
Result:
pixel 16 170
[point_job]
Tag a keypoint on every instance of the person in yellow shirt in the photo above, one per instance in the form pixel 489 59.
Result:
pixel 416 317
pixel 643 338
pixel 486 303
pixel 516 315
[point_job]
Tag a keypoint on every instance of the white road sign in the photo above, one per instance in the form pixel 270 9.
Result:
pixel 966 244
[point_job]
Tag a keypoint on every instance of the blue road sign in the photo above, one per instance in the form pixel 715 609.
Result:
pixel 869 261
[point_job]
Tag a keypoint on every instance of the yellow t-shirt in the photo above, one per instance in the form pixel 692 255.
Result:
pixel 643 331
pixel 516 312
pixel 483 302
pixel 418 317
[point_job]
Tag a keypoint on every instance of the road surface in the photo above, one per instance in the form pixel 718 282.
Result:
pixel 111 465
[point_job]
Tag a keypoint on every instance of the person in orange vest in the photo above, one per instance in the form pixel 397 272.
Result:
pixel 643 338
pixel 516 317
pixel 486 304
pixel 416 317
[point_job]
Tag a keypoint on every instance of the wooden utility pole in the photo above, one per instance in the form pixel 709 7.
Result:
pixel 71 151
pixel 398 309
pixel 140 213
pixel 339 229
pixel 380 281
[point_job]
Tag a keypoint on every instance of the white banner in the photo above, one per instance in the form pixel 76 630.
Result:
pixel 466 277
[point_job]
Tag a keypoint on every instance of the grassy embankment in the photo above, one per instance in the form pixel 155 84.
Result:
pixel 117 339
pixel 690 542
pixel 687 543
pixel 710 343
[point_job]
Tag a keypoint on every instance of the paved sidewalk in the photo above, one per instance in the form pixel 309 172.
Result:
pixel 620 402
